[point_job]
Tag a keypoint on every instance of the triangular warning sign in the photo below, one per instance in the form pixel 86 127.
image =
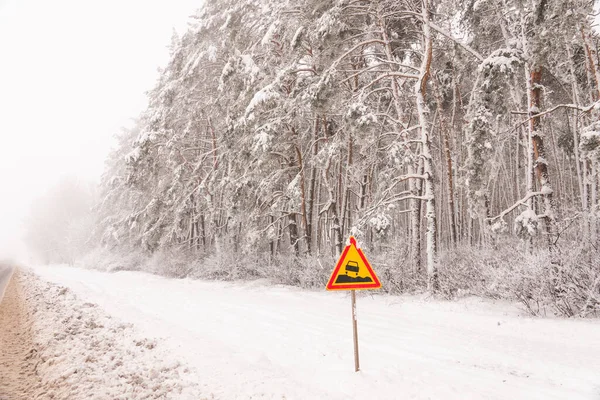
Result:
pixel 353 271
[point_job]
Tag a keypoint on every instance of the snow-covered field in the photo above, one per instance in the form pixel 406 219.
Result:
pixel 255 340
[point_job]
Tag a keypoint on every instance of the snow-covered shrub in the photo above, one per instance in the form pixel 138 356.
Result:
pixel 499 227
pixel 566 284
pixel 463 270
pixel 227 266
pixel 526 224
pixel 381 223
pixel 396 274
pixel 359 117
pixel 112 260
pixel 170 264
pixel 306 272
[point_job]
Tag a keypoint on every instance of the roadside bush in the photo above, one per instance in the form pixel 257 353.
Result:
pixel 564 283
pixel 307 272
pixel 110 260
pixel 469 271
pixel 170 263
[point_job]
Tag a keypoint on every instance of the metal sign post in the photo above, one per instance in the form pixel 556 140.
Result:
pixel 355 332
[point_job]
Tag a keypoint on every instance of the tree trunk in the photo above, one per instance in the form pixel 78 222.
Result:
pixel 303 207
pixel 271 242
pixel 416 189
pixel 445 131
pixel 430 213
pixel 203 230
pixel 293 229
pixel 594 204
pixel 346 197
pixel 214 143
pixel 590 50
pixel 310 204
pixel 575 94
pixel 540 162
pixel 332 208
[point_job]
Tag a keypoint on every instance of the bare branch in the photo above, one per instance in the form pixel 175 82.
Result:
pixel 572 106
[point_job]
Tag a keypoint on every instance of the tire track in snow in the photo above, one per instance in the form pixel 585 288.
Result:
pixel 18 354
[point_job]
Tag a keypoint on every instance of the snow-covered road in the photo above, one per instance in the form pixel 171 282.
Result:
pixel 6 271
pixel 253 340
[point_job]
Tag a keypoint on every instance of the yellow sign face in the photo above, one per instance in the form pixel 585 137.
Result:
pixel 353 271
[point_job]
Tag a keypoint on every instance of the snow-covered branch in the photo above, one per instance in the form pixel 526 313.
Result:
pixel 522 202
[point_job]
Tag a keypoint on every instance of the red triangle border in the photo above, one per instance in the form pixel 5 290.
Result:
pixel 376 283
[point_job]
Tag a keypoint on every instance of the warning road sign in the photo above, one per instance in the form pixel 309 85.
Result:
pixel 353 271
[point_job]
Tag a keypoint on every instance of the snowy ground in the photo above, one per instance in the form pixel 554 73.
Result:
pixel 253 340
pixel 55 346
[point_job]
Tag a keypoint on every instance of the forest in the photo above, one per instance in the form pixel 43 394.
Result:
pixel 457 140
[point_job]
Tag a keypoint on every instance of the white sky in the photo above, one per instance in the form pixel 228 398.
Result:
pixel 72 72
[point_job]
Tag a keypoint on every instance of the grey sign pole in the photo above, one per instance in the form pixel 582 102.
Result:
pixel 355 332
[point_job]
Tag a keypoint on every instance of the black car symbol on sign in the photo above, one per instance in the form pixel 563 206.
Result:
pixel 352 266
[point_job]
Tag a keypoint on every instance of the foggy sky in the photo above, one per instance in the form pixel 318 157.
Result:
pixel 72 73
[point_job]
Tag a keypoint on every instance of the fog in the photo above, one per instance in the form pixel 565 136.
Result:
pixel 72 74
